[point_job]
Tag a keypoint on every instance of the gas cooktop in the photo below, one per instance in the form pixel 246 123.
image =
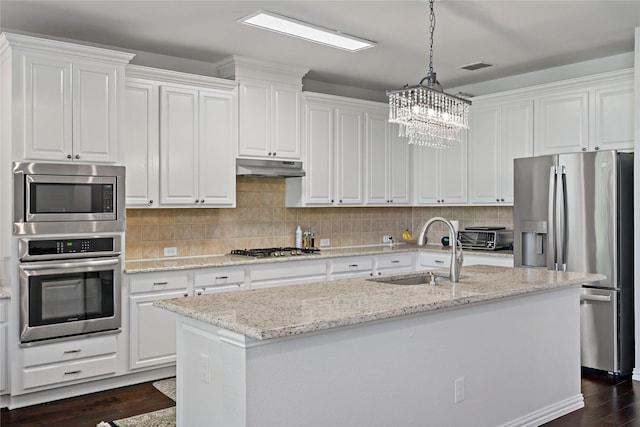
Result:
pixel 274 252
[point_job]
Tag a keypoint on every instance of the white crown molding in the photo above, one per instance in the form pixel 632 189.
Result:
pixel 178 77
pixel 242 68
pixel 56 47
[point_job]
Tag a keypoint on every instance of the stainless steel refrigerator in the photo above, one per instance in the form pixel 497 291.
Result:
pixel 574 212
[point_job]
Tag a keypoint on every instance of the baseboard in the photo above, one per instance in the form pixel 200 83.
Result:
pixel 35 398
pixel 635 374
pixel 549 413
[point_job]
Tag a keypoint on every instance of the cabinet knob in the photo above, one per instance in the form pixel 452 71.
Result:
pixel 597 148
pixel 340 201
pixel 150 202
pixel 274 153
pixel 502 200
pixel 199 293
pixel 186 295
pixel 497 200
pixel 269 153
pixel 69 156
pixel 584 149
pixel 77 156
pixel 197 201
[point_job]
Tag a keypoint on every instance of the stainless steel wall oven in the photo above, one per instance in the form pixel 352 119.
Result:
pixel 68 198
pixel 69 287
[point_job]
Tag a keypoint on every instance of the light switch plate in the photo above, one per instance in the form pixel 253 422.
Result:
pixel 172 251
pixel 325 242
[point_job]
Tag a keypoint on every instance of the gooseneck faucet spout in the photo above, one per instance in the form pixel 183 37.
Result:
pixel 456 257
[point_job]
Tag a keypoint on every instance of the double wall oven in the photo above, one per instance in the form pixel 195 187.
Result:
pixel 68 223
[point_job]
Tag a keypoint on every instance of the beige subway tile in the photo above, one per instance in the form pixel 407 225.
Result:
pixel 167 232
pixel 149 233
pixel 134 233
pixel 134 250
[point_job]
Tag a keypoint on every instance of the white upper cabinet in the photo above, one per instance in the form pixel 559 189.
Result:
pixel 320 147
pixel 349 156
pixel 586 114
pixel 181 139
pixel 440 175
pixel 140 143
pixel 269 107
pixel 500 132
pixel 66 99
pixel 388 179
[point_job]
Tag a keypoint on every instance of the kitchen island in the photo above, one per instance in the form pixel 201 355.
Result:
pixel 500 347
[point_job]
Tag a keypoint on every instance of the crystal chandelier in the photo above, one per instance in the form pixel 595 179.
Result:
pixel 425 113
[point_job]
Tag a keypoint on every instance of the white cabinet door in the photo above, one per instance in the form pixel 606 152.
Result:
pixel 152 335
pixel 394 263
pixel 255 119
pixel 351 267
pixel 285 119
pixel 140 144
pixel 94 113
pixel 614 117
pixel 178 146
pixel 453 173
pixel 399 179
pixel 516 141
pixel 319 136
pixel 426 171
pixel 48 109
pixel 269 120
pixel 484 154
pixel 216 165
pixel 562 123
pixel 349 157
pixel 377 166
pixel 500 133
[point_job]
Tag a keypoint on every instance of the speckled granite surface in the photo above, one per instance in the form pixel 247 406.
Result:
pixel 132 267
pixel 298 309
pixel 5 293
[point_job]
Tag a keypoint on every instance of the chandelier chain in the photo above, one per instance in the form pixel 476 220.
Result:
pixel 432 27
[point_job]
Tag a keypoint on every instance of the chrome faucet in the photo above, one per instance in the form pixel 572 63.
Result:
pixel 456 257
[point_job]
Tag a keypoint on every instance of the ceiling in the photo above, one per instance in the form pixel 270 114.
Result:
pixel 515 36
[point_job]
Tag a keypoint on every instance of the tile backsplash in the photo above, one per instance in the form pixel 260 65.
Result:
pixel 262 220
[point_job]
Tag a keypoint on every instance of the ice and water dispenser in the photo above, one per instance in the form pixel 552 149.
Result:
pixel 534 243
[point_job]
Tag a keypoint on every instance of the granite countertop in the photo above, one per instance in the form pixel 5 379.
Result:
pixel 291 310
pixel 5 293
pixel 168 264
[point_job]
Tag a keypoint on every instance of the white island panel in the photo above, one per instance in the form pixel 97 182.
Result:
pixel 519 358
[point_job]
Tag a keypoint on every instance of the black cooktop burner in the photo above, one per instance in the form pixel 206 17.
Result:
pixel 274 252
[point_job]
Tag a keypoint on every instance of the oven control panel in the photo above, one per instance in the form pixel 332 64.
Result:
pixel 42 249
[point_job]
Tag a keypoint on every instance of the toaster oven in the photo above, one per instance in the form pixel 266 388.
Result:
pixel 490 240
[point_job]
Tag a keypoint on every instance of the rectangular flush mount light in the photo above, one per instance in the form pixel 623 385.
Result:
pixel 291 27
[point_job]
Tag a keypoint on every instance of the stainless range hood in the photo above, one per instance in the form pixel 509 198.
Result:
pixel 269 168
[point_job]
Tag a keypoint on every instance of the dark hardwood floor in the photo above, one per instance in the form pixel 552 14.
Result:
pixel 609 401
pixel 89 410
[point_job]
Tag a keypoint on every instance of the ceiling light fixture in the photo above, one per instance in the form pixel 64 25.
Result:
pixel 426 114
pixel 302 30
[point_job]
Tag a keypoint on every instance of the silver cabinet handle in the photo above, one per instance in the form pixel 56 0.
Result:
pixel 353 265
pixel 395 261
pixel 439 261
pixel 160 283
pixel 73 372
pixel 72 351
pixel 221 277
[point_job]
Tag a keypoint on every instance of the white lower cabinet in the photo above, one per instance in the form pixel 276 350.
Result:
pixel 429 260
pixel 287 273
pixel 51 365
pixel 152 331
pixel 394 263
pixel 350 267
pixel 4 363
pixel 216 280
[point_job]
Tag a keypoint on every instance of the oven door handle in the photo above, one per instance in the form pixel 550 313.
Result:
pixel 71 264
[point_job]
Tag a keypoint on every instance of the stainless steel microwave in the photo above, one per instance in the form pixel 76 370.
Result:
pixel 68 198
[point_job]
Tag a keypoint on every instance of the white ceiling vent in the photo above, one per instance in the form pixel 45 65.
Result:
pixel 475 66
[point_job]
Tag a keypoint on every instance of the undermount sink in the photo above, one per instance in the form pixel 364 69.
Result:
pixel 420 279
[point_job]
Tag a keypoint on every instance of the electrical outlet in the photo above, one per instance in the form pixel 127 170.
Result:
pixel 204 368
pixel 172 251
pixel 458 386
pixel 325 242
pixel 387 238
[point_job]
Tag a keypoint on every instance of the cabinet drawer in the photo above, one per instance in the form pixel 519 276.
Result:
pixel 350 265
pixel 434 260
pixel 158 282
pixel 68 350
pixel 71 371
pixel 219 277
pixel 404 261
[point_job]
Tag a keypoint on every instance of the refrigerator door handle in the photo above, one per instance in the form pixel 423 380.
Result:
pixel 553 184
pixel 563 261
pixel 602 298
